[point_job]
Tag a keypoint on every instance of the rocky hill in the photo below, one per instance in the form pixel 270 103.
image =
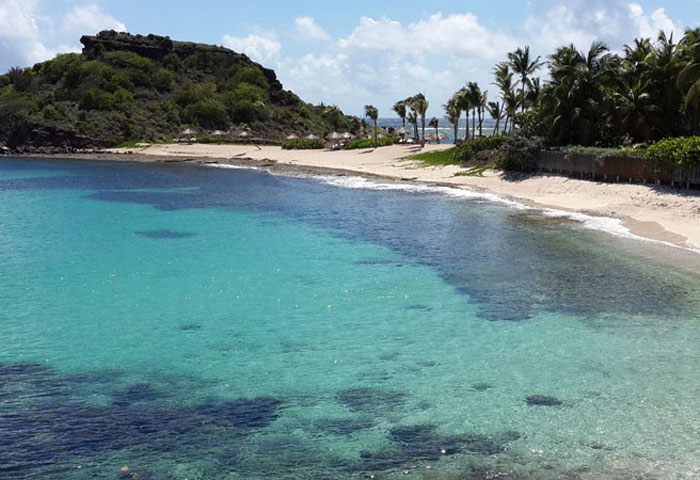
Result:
pixel 127 88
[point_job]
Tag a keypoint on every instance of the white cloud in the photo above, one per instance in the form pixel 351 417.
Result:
pixel 616 22
pixel 89 20
pixel 20 42
pixel 307 28
pixel 263 49
pixel 25 39
pixel 383 60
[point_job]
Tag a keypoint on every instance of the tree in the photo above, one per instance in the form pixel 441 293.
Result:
pixel 453 112
pixel 504 82
pixel 465 105
pixel 372 113
pixel 473 92
pixel 420 105
pixel 689 78
pixel 523 65
pixel 435 123
pixel 400 109
pixel 495 109
pixel 572 102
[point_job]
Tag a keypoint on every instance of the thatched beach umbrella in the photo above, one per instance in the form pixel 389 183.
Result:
pixel 291 137
pixel 334 136
pixel 403 131
pixel 311 136
pixel 188 132
pixel 242 134
pixel 347 136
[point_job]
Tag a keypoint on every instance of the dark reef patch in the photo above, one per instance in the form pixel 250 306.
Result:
pixel 421 443
pixel 364 399
pixel 481 386
pixel 342 426
pixel 191 327
pixel 420 307
pixel 164 234
pixel 39 429
pixel 543 401
pixel 136 393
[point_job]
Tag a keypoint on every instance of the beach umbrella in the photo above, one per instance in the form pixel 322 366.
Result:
pixel 311 136
pixel 402 131
pixel 188 132
pixel 243 134
pixel 218 133
pixel 347 136
pixel 291 137
pixel 334 136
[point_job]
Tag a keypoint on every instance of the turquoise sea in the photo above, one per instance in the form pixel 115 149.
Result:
pixel 201 323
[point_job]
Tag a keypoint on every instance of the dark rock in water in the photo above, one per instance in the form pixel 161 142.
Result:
pixel 420 307
pixel 543 400
pixel 343 426
pixel 190 327
pixel 366 399
pixel 418 443
pixel 244 414
pixel 481 386
pixel 164 234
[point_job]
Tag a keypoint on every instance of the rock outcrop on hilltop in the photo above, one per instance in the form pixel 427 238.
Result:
pixel 131 88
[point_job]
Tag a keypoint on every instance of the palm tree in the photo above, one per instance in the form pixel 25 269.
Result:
pixel 495 109
pixel 689 78
pixel 435 123
pixel 473 93
pixel 636 109
pixel 453 112
pixel 504 82
pixel 573 101
pixel 481 109
pixel 420 105
pixel 372 113
pixel 465 104
pixel 400 109
pixel 511 103
pixel 522 65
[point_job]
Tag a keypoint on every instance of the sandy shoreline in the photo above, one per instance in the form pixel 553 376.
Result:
pixel 652 212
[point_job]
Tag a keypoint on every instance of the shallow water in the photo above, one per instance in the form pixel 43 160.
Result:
pixel 223 324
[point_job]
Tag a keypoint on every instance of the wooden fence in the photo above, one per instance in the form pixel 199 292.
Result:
pixel 618 169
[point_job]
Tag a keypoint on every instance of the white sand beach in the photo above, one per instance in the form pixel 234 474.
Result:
pixel 658 213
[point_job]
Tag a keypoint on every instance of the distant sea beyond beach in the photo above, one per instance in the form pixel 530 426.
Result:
pixel 173 320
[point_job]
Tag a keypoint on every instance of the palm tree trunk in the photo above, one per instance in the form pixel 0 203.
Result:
pixel 456 127
pixel 481 120
pixel 522 97
pixel 422 126
pixel 437 136
pixel 376 143
pixel 473 122
pixel 466 126
pixel 505 125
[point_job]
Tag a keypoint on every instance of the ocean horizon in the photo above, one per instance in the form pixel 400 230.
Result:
pixel 179 321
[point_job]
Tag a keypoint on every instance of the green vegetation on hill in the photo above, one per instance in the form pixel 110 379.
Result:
pixel 148 88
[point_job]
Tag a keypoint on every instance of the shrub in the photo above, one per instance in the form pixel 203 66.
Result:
pixel 209 113
pixel 368 143
pixel 303 144
pixel 681 151
pixel 520 152
pixel 469 149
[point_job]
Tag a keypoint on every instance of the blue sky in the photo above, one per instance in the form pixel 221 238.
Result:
pixel 360 53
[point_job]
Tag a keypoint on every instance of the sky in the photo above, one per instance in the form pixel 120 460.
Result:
pixel 351 53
